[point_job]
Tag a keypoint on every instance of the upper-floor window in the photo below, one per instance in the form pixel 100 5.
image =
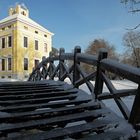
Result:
pixel 45 35
pixel 9 26
pixel 36 45
pixel 25 42
pixel 3 42
pixel 9 64
pixel 25 63
pixel 9 41
pixel 36 32
pixel 3 64
pixel 45 47
pixel 25 27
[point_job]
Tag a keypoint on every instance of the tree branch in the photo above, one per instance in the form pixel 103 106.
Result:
pixel 130 29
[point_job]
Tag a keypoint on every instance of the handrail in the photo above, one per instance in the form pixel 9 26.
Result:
pixel 47 69
pixel 124 70
pixel 67 56
pixel 87 58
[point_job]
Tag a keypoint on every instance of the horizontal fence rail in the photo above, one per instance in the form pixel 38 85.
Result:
pixel 69 65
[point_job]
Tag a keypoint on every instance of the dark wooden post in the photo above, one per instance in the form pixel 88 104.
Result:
pixel 135 112
pixel 76 74
pixel 51 65
pixel 61 61
pixel 98 81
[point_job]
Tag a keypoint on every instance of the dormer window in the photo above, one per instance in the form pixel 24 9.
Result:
pixel 23 13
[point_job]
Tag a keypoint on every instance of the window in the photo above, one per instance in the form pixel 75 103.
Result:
pixel 36 63
pixel 25 63
pixel 36 45
pixel 26 28
pixel 3 64
pixel 9 26
pixel 3 42
pixel 25 42
pixel 9 64
pixel 23 13
pixel 9 77
pixel 36 32
pixel 45 47
pixel 9 41
pixel 45 35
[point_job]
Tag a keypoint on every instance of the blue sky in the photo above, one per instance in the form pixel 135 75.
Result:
pixel 78 22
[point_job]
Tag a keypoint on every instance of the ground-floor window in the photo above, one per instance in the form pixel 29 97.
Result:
pixel 25 63
pixel 36 62
pixel 45 47
pixel 9 77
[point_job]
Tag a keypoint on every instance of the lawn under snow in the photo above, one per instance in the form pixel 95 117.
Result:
pixel 119 84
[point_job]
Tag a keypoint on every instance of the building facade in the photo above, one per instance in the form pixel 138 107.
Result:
pixel 23 43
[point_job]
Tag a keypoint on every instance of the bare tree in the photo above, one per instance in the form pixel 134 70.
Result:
pixel 134 7
pixel 131 41
pixel 94 47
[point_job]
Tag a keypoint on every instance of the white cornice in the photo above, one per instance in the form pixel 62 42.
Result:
pixel 24 20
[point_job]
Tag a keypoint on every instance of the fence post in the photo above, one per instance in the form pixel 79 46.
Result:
pixel 51 65
pixel 76 74
pixel 98 81
pixel 61 61
pixel 135 111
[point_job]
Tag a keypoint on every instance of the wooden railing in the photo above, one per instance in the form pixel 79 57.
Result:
pixel 56 66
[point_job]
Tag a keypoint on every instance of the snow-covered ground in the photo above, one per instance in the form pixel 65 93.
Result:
pixel 119 84
pixel 7 80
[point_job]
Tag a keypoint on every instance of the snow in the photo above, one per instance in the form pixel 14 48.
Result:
pixel 7 80
pixel 118 84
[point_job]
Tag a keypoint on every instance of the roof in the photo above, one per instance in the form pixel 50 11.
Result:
pixel 24 19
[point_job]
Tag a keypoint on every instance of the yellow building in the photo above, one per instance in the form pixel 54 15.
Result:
pixel 23 43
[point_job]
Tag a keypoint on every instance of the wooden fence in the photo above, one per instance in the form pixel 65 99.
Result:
pixel 56 66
